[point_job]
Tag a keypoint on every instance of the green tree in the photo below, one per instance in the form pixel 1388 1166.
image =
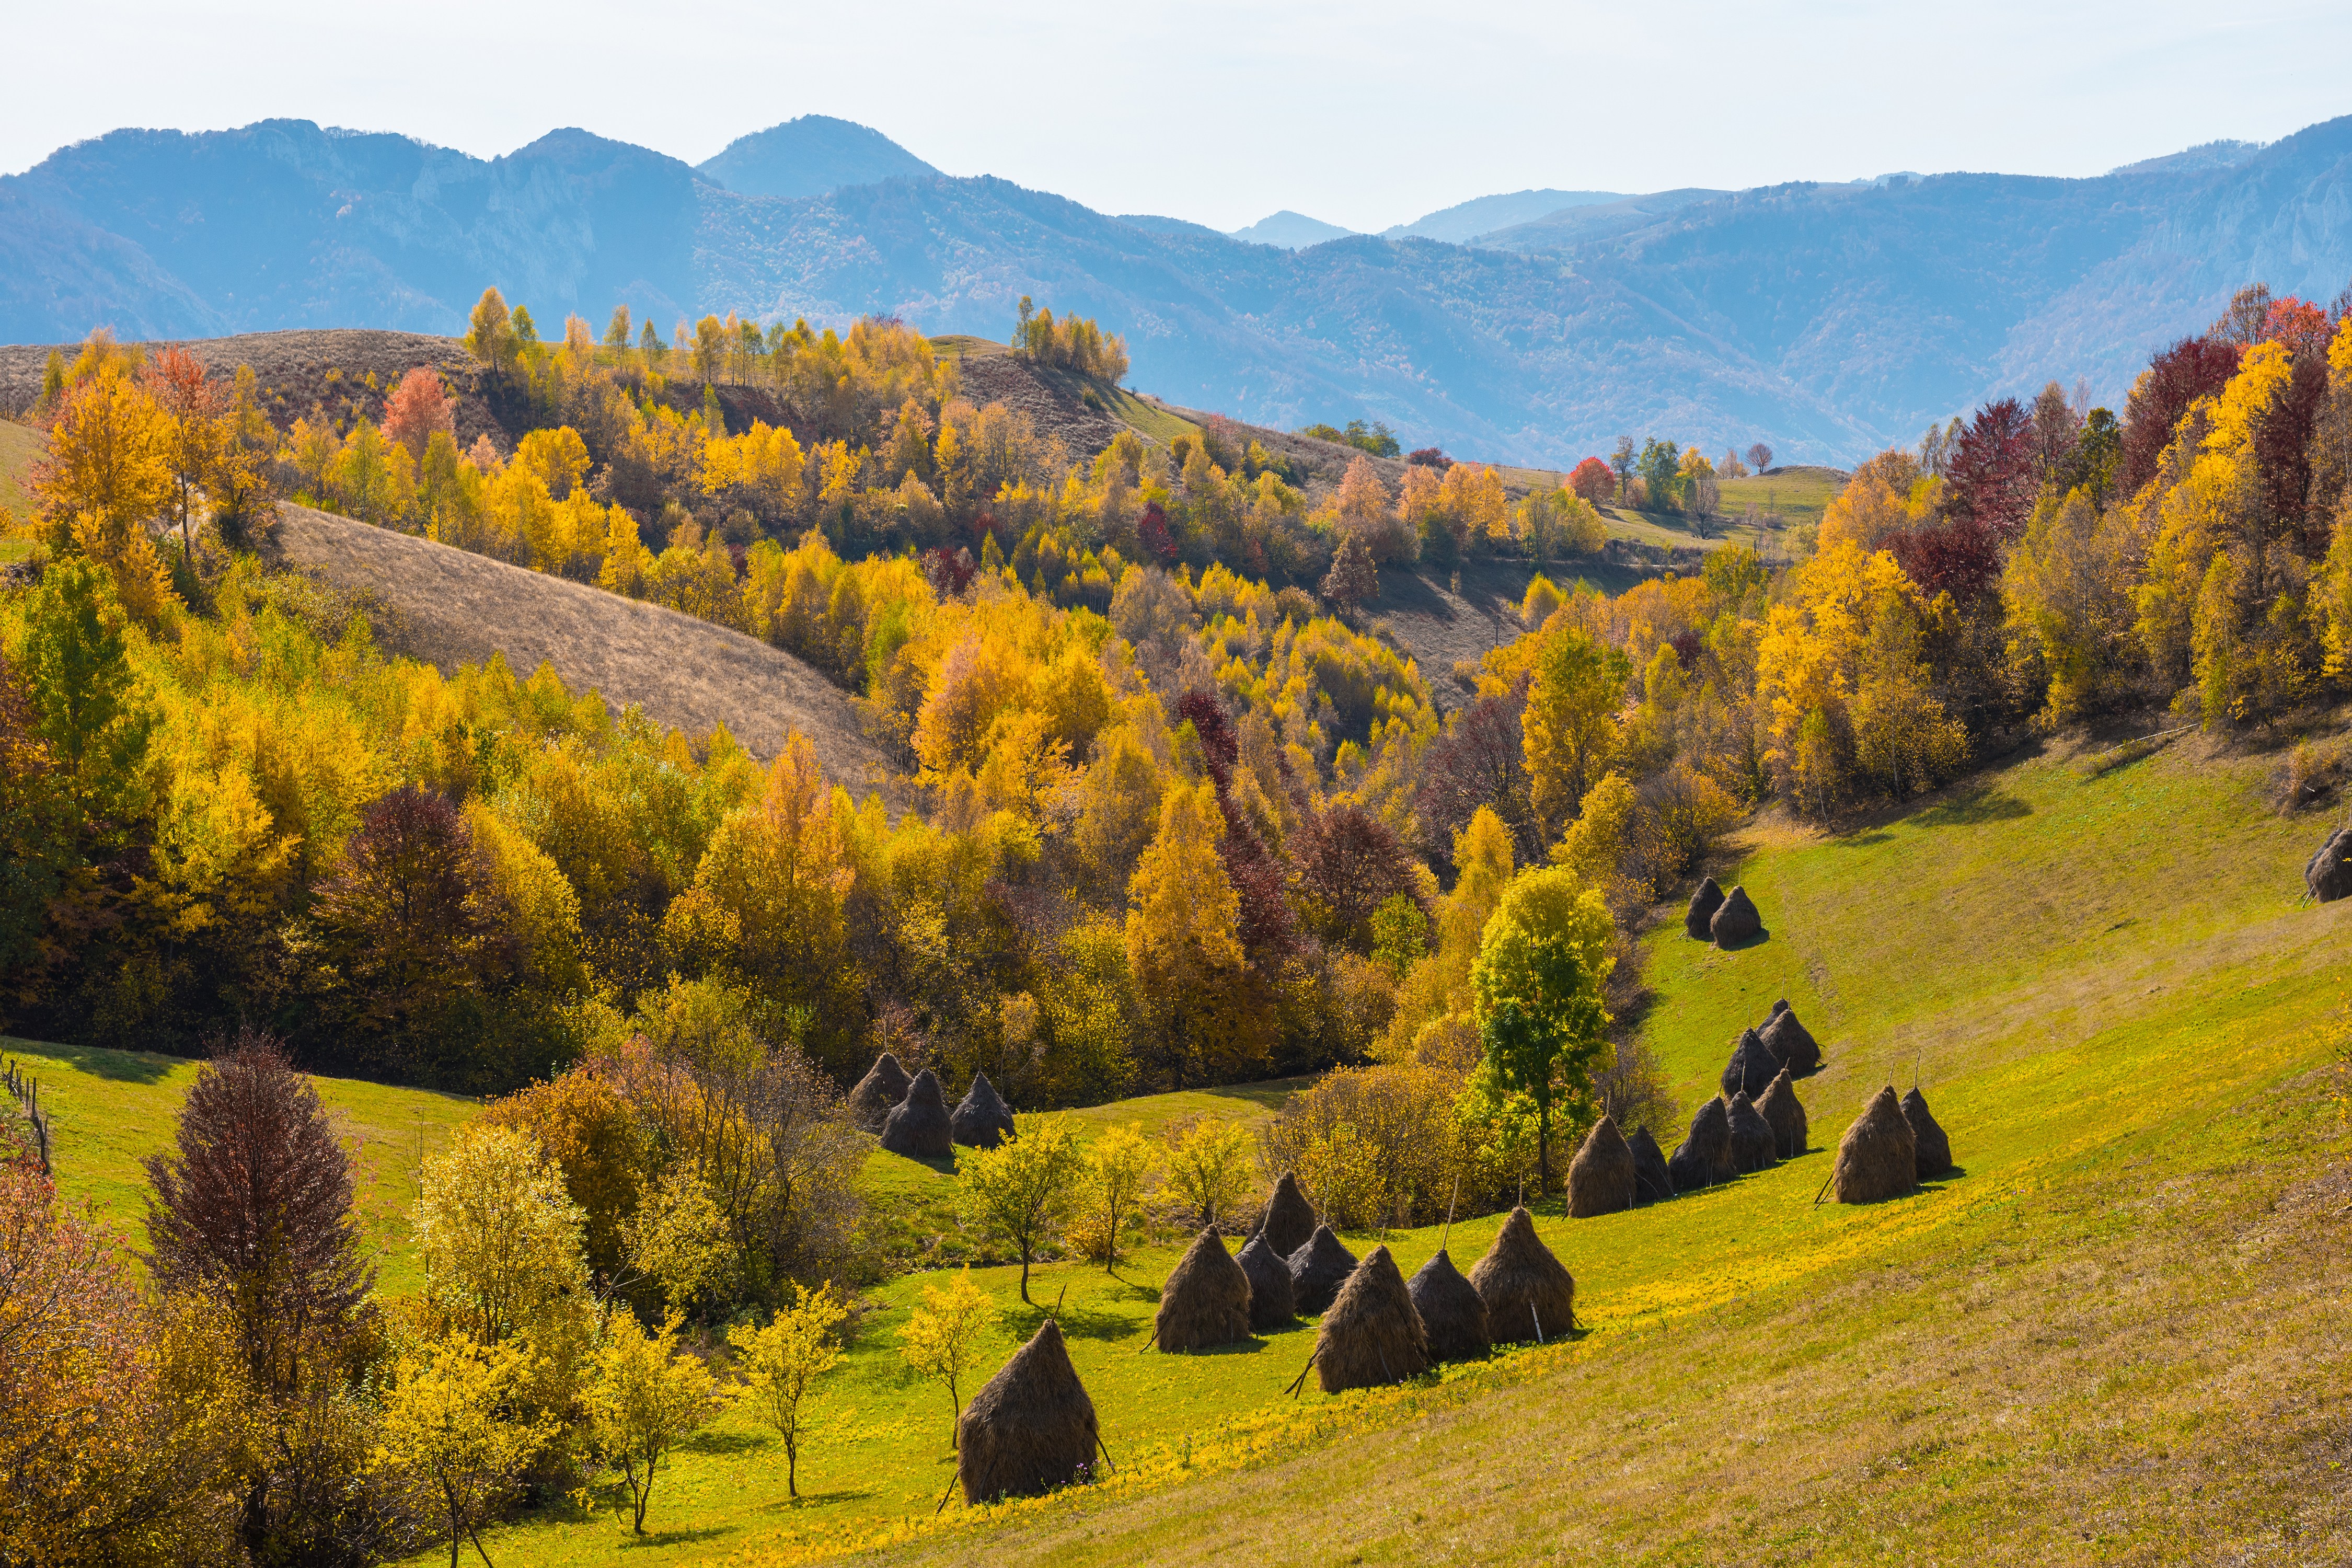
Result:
pixel 643 1397
pixel 617 333
pixel 1660 465
pixel 1537 983
pixel 1019 1191
pixel 782 1362
pixel 77 669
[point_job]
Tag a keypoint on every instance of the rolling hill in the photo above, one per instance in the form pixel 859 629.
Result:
pixel 1828 319
pixel 450 607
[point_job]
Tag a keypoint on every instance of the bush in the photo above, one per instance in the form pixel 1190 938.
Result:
pixel 1372 1145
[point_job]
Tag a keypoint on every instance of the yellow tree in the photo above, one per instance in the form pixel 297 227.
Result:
pixel 490 331
pixel 501 1242
pixel 767 894
pixel 642 1398
pixel 782 1362
pixel 941 1337
pixel 1208 1165
pixel 1183 942
pixel 449 1425
pixel 1570 730
pixel 1118 1167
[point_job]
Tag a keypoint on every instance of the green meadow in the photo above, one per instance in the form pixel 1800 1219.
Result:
pixel 2118 1333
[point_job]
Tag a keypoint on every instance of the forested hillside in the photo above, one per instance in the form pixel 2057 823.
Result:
pixel 1829 321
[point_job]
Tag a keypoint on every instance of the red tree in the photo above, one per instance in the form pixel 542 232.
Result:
pixel 253 1209
pixel 1347 863
pixel 1593 480
pixel 1990 488
pixel 1269 931
pixel 417 408
pixel 2189 370
pixel 2299 325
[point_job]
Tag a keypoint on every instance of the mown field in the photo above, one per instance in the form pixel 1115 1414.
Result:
pixel 2118 1334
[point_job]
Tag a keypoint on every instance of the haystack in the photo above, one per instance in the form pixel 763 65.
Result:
pixel 1030 1429
pixel 1288 1222
pixel 884 1086
pixel 1752 1066
pixel 1878 1158
pixel 1703 1157
pixel 1527 1292
pixel 1737 921
pixel 1703 905
pixel 917 1126
pixel 1601 1180
pixel 1451 1313
pixel 1206 1300
pixel 1931 1148
pixel 982 1119
pixel 1787 1040
pixel 1273 1305
pixel 1781 1107
pixel 1653 1182
pixel 1318 1269
pixel 1371 1335
pixel 1753 1145
pixel 1781 1006
pixel 2328 872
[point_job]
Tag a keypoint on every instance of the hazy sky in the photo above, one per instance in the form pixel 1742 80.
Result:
pixel 1366 113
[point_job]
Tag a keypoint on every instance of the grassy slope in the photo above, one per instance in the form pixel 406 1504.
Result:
pixel 111 1110
pixel 2119 1334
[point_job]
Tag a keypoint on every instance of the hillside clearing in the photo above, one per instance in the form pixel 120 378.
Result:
pixel 110 1110
pixel 2133 1261
pixel 452 607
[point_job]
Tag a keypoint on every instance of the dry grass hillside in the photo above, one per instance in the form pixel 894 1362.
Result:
pixel 451 607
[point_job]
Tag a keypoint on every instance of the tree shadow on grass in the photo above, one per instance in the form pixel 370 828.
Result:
pixel 120 1066
pixel 1077 1322
pixel 657 1538
pixel 710 1442
pixel 1974 805
pixel 820 1499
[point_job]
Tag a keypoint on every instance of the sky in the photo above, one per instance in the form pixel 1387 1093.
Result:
pixel 1365 114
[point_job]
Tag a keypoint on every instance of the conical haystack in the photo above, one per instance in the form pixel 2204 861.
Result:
pixel 1703 1157
pixel 1753 1145
pixel 1206 1300
pixel 1781 1006
pixel 1878 1158
pixel 1703 905
pixel 982 1119
pixel 1371 1335
pixel 1030 1429
pixel 1653 1182
pixel 1318 1269
pixel 1288 1222
pixel 1451 1313
pixel 2329 873
pixel 1737 921
pixel 1529 1295
pixel 884 1086
pixel 1790 1040
pixel 1782 1108
pixel 1272 1304
pixel 1932 1151
pixel 1751 1067
pixel 1601 1180
pixel 917 1126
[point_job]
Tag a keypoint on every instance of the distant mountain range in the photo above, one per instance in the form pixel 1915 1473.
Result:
pixel 1827 320
pixel 1290 230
